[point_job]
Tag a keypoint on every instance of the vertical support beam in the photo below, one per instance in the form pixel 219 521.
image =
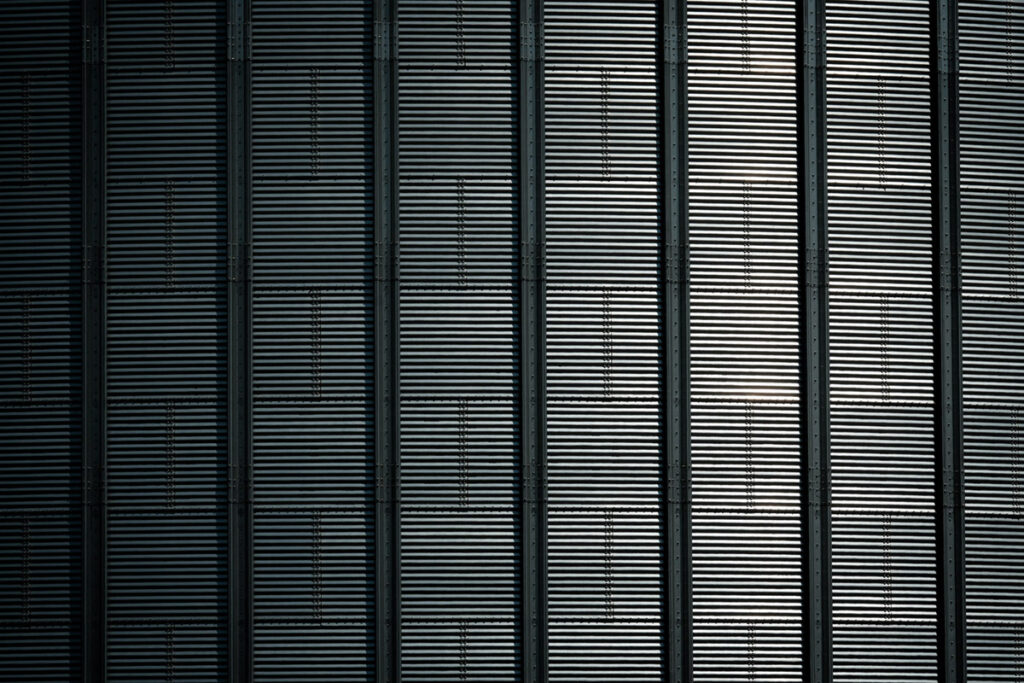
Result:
pixel 946 211
pixel 94 353
pixel 532 295
pixel 813 274
pixel 677 492
pixel 239 234
pixel 386 340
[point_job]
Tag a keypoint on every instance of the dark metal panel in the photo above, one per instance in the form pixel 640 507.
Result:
pixel 459 366
pixel 814 352
pixel 386 342
pixel 42 273
pixel 532 334
pixel 313 138
pixel 94 377
pixel 677 491
pixel 39 598
pixel 615 259
pixel 239 343
pixel 952 613
pixel 990 99
pixel 167 340
pixel 42 66
pixel 744 367
pixel 313 325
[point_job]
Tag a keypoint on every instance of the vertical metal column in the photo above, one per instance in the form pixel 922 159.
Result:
pixel 533 492
pixel 945 188
pixel 813 274
pixel 677 491
pixel 386 338
pixel 239 229
pixel 94 356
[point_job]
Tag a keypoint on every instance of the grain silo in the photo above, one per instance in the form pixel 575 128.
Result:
pixel 482 340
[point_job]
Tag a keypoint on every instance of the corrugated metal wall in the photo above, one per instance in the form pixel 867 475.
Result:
pixel 992 183
pixel 479 340
pixel 881 320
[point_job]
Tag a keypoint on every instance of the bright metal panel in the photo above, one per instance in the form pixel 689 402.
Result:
pixel 992 199
pixel 881 340
pixel 744 331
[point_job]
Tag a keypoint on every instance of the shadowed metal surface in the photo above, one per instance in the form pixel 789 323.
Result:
pixel 475 340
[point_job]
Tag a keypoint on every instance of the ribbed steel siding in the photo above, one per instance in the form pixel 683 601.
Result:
pixel 459 424
pixel 312 357
pixel 603 390
pixel 881 346
pixel 40 269
pixel 992 206
pixel 744 329
pixel 165 336
pixel 312 344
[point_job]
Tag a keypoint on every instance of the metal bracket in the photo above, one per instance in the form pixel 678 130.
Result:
pixel 530 44
pixel 816 268
pixel 93 264
pixel 93 43
pixel 384 44
pixel 673 266
pixel 382 488
pixel 239 41
pixel 385 266
pixel 532 266
pixel 672 44
pixel 95 485
pixel 673 488
pixel 239 262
